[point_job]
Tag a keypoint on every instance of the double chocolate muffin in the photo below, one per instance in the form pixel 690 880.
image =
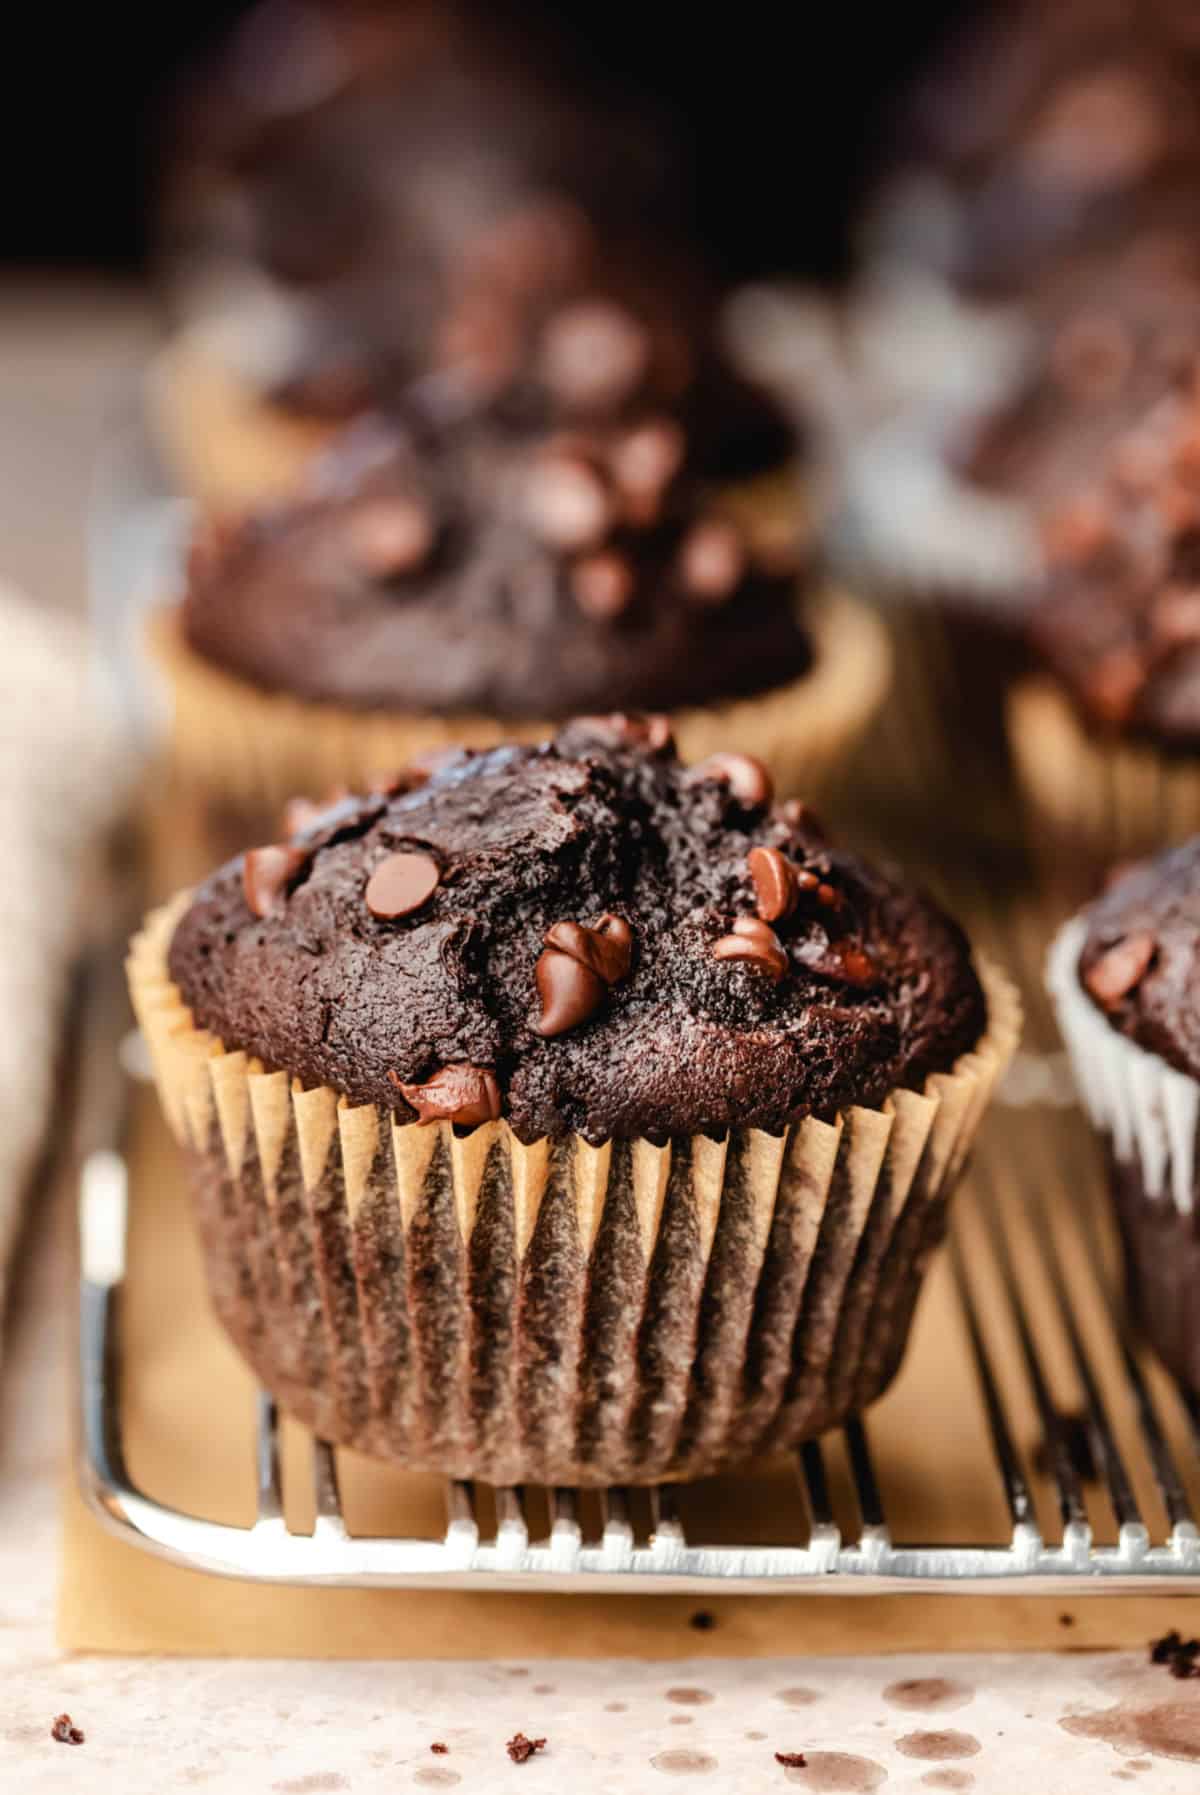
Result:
pixel 568 1114
pixel 1124 976
pixel 423 208
pixel 1106 739
pixel 444 579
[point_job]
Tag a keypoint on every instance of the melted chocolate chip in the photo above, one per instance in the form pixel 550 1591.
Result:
pixel 606 950
pixel 401 884
pixel 1124 965
pixel 775 885
pixel 467 1095
pixel 266 875
pixel 570 992
pixel 752 943
pixel 746 777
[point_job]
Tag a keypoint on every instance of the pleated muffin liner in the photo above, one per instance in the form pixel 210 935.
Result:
pixel 229 448
pixel 1106 797
pixel 232 740
pixel 557 1312
pixel 1148 1113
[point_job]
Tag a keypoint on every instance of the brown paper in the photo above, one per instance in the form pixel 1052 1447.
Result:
pixel 557 1312
pixel 233 741
pixel 1108 796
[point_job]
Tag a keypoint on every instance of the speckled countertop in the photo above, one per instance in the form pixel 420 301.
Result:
pixel 1071 1724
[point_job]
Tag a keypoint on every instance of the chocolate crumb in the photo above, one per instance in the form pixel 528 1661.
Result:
pixel 519 1748
pixel 1066 1620
pixel 65 1731
pixel 439 1749
pixel 791 1760
pixel 702 1620
pixel 1178 1654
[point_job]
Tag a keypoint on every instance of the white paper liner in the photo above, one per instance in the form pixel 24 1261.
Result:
pixel 558 1312
pixel 1148 1109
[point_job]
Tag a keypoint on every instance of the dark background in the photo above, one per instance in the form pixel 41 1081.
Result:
pixel 785 102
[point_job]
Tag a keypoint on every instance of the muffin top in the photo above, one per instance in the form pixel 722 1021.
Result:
pixel 1141 956
pixel 1119 621
pixel 419 189
pixel 582 937
pixel 518 572
pixel 1042 130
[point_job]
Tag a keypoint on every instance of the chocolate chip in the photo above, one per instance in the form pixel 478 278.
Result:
pixel 753 944
pixel 266 875
pixel 623 729
pixel 832 900
pixel 594 354
pixel 570 992
pixel 1121 967
pixel 603 585
pixel 519 1748
pixel 797 815
pixel 606 950
pixel 1114 684
pixel 644 462
pixel 438 1749
pixel 746 777
pixel 567 503
pixel 775 883
pixel 467 1095
pixel 711 561
pixel 65 1731
pixel 856 967
pixel 387 537
pixel 1175 616
pixel 401 884
pixel 791 1760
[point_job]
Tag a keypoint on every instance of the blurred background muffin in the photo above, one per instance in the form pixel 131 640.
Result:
pixel 413 191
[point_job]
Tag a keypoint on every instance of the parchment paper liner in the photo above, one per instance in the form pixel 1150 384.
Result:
pixel 557 1313
pixel 1106 795
pixel 228 447
pixel 1149 1114
pixel 231 739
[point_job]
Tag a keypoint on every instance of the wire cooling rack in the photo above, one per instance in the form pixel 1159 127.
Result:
pixel 1107 1498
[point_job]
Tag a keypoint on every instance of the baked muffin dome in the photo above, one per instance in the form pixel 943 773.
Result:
pixel 522 572
pixel 585 937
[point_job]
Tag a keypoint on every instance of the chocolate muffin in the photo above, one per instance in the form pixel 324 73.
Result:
pixel 425 209
pixel 444 579
pixel 1041 132
pixel 1124 977
pixel 1107 738
pixel 568 1115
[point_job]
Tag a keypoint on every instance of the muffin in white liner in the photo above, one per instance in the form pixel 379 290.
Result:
pixel 1148 1112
